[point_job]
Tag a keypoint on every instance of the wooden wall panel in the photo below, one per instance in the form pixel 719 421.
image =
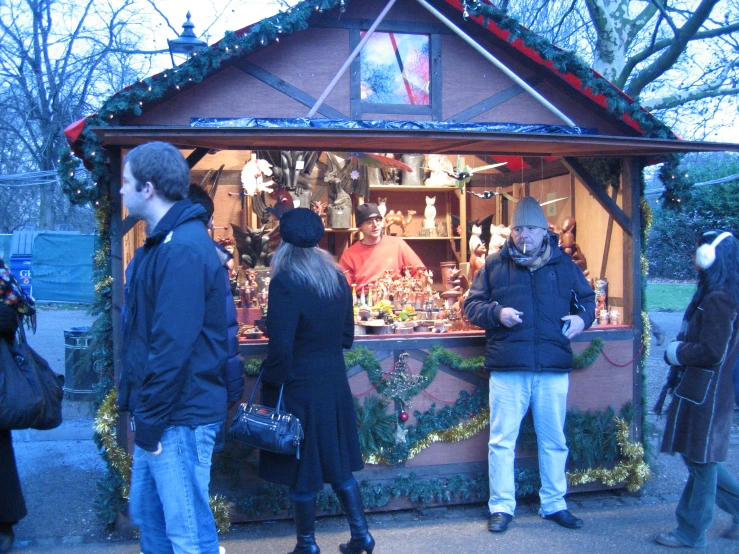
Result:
pixel 592 224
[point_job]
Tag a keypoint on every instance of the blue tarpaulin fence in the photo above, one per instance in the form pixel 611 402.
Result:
pixel 62 267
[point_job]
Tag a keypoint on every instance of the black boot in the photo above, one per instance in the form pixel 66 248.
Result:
pixel 304 514
pixel 6 537
pixel 351 501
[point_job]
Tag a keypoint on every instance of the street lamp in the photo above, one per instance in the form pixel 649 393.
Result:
pixel 187 43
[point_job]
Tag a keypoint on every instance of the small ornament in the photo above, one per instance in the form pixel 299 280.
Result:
pixel 400 433
pixel 403 416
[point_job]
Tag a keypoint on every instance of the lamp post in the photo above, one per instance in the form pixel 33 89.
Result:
pixel 187 43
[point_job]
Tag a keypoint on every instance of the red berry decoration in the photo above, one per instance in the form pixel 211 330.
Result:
pixel 403 416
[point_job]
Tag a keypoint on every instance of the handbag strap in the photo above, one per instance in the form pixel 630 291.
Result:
pixel 280 404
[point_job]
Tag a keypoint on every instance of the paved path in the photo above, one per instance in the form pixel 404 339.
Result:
pixel 60 470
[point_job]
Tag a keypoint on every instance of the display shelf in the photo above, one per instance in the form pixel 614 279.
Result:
pixel 415 188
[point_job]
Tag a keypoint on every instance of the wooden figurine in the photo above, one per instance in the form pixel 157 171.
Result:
pixel 396 218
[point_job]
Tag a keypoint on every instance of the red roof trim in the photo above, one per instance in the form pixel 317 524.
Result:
pixel 533 55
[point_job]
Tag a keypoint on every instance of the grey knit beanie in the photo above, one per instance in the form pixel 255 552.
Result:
pixel 528 213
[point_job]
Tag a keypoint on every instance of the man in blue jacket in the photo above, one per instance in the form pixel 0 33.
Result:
pixel 174 356
pixel 531 299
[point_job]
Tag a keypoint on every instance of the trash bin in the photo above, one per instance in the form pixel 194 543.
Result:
pixel 79 375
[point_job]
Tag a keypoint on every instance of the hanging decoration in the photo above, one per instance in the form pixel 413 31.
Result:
pixel 401 385
pixel 253 176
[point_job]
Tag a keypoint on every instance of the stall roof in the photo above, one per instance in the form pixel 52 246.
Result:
pixel 425 141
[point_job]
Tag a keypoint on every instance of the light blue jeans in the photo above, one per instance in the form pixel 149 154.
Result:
pixel 511 393
pixel 169 500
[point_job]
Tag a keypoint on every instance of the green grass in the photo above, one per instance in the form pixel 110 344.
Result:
pixel 669 297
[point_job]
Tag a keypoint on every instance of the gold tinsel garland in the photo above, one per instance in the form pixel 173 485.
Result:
pixel 103 283
pixel 464 430
pixel 105 424
pixel 632 469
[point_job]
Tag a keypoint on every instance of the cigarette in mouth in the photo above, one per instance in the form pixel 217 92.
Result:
pixel 524 248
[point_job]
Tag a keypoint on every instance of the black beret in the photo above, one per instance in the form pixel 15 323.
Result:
pixel 301 227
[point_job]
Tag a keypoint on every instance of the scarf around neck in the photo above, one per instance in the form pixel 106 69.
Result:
pixel 13 295
pixel 531 260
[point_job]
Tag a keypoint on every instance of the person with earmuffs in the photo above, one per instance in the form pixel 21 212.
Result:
pixel 700 414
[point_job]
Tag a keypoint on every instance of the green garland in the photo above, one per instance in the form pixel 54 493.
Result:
pixel 605 171
pixel 375 425
pixel 274 499
pixel 677 185
pixel 589 355
pixel 591 435
pixel 568 63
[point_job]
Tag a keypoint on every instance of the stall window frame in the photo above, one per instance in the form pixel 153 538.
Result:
pixel 359 108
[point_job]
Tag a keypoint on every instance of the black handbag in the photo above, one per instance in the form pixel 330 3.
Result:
pixel 271 429
pixel 30 392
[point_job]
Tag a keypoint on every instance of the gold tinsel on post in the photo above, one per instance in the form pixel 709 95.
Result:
pixel 219 507
pixel 632 469
pixel 105 424
pixel 464 430
pixel 103 283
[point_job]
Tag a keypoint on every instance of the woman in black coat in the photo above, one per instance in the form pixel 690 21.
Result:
pixel 14 306
pixel 309 323
pixel 700 414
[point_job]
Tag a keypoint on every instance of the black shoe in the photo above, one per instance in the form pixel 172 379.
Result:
pixel 565 519
pixel 498 522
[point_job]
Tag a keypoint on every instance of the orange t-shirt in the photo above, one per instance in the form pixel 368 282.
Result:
pixel 364 265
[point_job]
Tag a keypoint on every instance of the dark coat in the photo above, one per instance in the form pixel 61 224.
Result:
pixel 699 418
pixel 12 503
pixel 235 364
pixel 175 333
pixel 554 290
pixel 307 335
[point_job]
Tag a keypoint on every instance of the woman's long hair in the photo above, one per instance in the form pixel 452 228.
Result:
pixel 724 272
pixel 312 267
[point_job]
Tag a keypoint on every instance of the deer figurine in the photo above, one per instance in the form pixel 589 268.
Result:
pixel 396 218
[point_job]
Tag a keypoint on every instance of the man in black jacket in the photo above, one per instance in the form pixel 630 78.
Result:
pixel 174 355
pixel 532 300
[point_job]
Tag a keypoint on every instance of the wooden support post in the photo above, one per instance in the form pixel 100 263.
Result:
pixel 598 193
pixel 631 190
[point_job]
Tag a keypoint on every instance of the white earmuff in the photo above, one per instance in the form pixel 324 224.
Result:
pixel 706 253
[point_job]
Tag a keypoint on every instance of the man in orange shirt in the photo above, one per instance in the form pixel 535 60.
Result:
pixel 367 261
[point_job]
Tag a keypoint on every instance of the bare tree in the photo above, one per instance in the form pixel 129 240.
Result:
pixel 679 58
pixel 57 59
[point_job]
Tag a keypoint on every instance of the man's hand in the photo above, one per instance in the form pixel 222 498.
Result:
pixel 576 326
pixel 510 317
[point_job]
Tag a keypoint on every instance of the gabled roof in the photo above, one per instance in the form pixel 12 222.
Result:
pixel 138 97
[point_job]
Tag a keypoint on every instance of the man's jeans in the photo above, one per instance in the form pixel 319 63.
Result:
pixel 708 484
pixel 511 393
pixel 169 500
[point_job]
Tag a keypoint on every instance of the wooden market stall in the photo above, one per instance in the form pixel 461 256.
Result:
pixel 434 87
